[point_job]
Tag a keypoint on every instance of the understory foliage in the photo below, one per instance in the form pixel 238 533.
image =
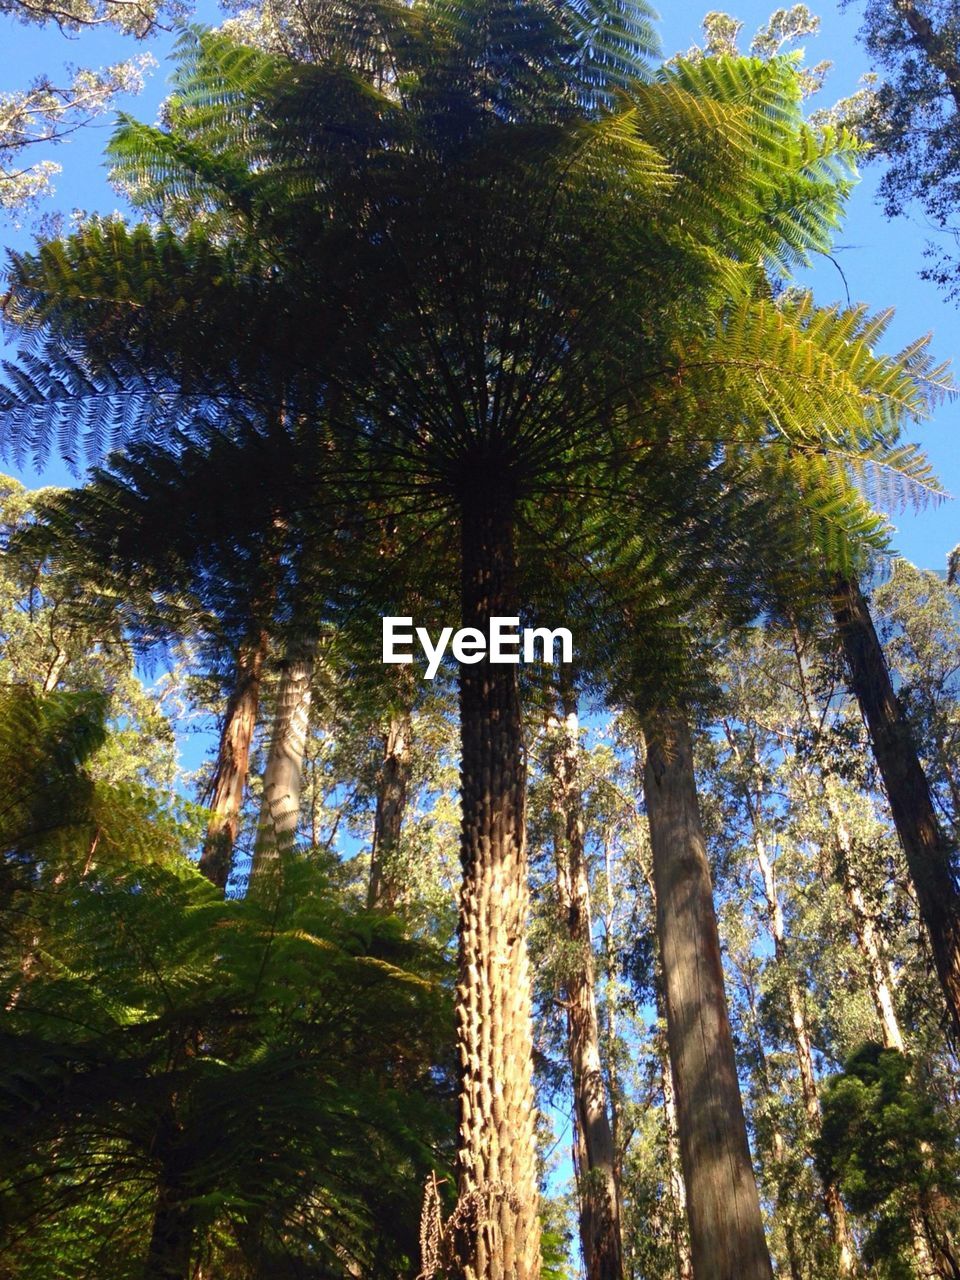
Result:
pixel 277 1072
pixel 453 311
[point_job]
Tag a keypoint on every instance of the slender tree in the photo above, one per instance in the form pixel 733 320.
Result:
pixel 598 1190
pixel 931 857
pixel 384 889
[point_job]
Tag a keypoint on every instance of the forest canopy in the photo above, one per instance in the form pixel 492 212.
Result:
pixel 643 963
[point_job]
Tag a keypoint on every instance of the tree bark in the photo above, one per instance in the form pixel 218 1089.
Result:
pixel 171 1242
pixel 678 1217
pixel 497 1234
pixel 836 1213
pixel 385 891
pixel 723 1208
pixel 233 764
pixel 598 1193
pixel 930 856
pixel 283 775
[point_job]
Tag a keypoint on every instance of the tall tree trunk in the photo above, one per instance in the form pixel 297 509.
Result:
pixel 723 1207
pixel 385 891
pixel 598 1194
pixel 233 763
pixel 498 1228
pixel 833 1204
pixel 929 855
pixel 283 775
pixel 868 944
pixel 678 1218
pixel 171 1241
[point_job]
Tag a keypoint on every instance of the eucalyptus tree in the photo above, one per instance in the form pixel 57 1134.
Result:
pixel 879 395
pixel 151 532
pixel 597 1168
pixel 909 112
pixel 37 117
pixel 916 617
pixel 930 852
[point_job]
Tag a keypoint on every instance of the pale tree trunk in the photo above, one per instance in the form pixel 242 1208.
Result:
pixel 929 855
pixel 786 1218
pixel 598 1194
pixel 55 670
pixel 878 979
pixel 497 1228
pixel 233 764
pixel 868 943
pixel 681 1245
pixel 723 1208
pixel 384 891
pixel 833 1204
pixel 610 1021
pixel 683 1263
pixel 283 775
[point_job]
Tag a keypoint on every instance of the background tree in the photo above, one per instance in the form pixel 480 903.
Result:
pixel 35 118
pixel 911 114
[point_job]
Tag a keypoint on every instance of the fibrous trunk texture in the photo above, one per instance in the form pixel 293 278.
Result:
pixel 233 763
pixel 497 1234
pixel 929 855
pixel 598 1193
pixel 385 891
pixel 723 1207
pixel 283 775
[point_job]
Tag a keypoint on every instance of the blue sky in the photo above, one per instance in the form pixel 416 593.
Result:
pixel 880 259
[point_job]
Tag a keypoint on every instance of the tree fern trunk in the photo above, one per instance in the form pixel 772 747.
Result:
pixel 171 1242
pixel 283 775
pixel 929 855
pixel 385 890
pixel 723 1207
pixel 233 764
pixel 499 1233
pixel 598 1194
pixel 172 1232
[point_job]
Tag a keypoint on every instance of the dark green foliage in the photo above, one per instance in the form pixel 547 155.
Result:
pixel 888 1144
pixel 271 1080
pixel 48 796
pixel 271 1075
